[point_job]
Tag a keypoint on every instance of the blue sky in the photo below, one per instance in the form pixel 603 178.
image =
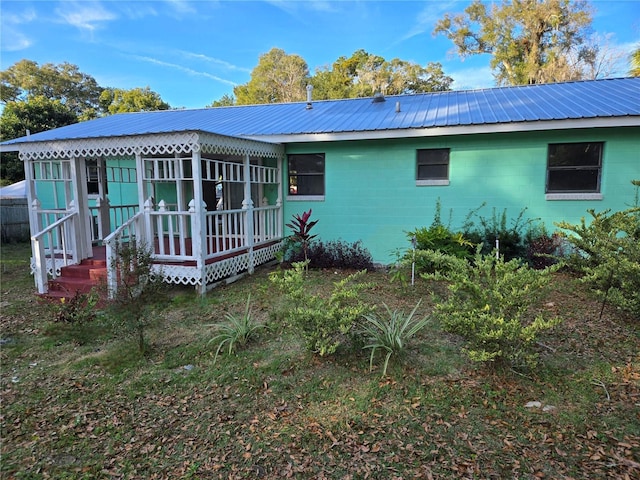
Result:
pixel 194 51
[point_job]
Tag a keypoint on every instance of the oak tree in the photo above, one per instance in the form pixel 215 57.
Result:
pixel 530 41
pixel 78 91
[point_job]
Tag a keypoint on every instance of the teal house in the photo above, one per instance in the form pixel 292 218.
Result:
pixel 209 191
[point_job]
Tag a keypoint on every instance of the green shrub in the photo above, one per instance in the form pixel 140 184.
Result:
pixel 490 304
pixel 391 333
pixel 79 309
pixel 237 331
pixel 334 254
pixel 606 251
pixel 141 291
pixel 439 237
pixel 510 238
pixel 322 322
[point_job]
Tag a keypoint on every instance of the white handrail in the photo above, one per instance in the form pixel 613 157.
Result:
pixel 60 239
pixel 132 229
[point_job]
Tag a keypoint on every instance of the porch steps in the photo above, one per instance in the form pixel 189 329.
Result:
pixel 75 279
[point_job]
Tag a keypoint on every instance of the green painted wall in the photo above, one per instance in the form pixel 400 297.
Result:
pixel 122 193
pixel 371 193
pixel 119 193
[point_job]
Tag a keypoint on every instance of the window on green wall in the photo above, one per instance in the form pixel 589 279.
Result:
pixel 432 166
pixel 306 175
pixel 574 167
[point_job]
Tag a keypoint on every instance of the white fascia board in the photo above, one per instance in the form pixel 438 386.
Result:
pixel 14 147
pixel 607 122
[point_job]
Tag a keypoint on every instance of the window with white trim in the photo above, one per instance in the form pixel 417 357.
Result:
pixel 574 168
pixel 306 174
pixel 432 166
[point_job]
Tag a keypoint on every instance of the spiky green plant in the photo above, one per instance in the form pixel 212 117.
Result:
pixel 392 333
pixel 238 330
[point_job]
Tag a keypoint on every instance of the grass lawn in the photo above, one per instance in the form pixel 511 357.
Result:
pixel 79 401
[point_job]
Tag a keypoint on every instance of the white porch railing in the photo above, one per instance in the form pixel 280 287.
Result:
pixel 225 232
pixel 266 224
pixel 168 234
pixel 172 232
pixel 55 244
pixel 105 218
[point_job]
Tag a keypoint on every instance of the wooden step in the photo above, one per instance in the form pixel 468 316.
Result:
pixel 77 279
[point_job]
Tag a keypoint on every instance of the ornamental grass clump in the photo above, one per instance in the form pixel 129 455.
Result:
pixel 391 333
pixel 237 331
pixel 491 304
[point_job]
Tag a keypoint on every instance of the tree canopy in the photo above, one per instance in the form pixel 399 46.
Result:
pixel 635 63
pixel 35 114
pixel 278 77
pixel 38 98
pixel 78 91
pixel 530 41
pixel 117 100
pixel 364 74
pixel 281 77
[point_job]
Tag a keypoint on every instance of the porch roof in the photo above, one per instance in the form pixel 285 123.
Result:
pixel 608 102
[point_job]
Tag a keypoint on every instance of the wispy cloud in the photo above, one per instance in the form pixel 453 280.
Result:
pixel 184 69
pixel 427 18
pixel 295 8
pixel 12 39
pixel 181 7
pixel 215 61
pixel 86 16
pixel 137 10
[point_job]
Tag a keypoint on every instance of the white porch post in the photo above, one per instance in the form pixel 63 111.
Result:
pixel 31 196
pixel 37 249
pixel 247 206
pixel 198 225
pixel 280 211
pixel 80 196
pixel 143 195
pixel 145 204
pixel 104 217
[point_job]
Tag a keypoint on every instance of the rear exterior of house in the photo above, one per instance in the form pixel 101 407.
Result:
pixel 377 190
pixel 208 190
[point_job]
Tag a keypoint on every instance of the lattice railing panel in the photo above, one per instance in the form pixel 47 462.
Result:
pixel 266 254
pixel 226 268
pixel 178 274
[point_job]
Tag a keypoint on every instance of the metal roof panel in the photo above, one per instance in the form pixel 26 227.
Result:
pixel 572 100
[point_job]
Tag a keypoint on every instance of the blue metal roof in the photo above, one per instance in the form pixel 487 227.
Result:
pixel 607 98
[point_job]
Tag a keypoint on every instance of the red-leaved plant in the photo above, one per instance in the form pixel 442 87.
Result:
pixel 301 227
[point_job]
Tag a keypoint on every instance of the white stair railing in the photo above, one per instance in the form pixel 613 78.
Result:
pixel 132 231
pixel 55 244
